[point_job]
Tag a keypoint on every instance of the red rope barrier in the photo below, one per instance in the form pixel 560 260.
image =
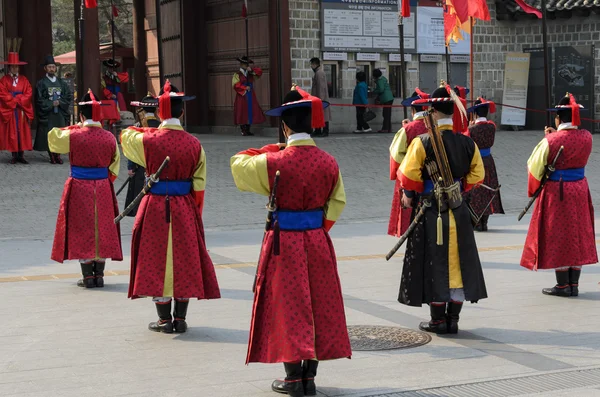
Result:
pixel 497 104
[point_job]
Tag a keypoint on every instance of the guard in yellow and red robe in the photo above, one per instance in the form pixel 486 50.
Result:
pixel 485 202
pixel 246 109
pixel 561 233
pixel 169 259
pixel 85 228
pixel 441 275
pixel 298 314
pixel 400 217
pixel 16 110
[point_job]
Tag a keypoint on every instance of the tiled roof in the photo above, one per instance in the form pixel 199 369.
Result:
pixel 555 8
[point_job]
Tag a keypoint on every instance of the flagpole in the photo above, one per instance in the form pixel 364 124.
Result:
pixel 402 59
pixel 80 56
pixel 546 66
pixel 471 66
pixel 247 36
pixel 447 65
pixel 112 23
pixel 280 66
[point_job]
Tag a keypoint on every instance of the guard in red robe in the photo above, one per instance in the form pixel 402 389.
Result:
pixel 85 228
pixel 112 81
pixel 246 109
pixel 400 217
pixel 298 314
pixel 169 260
pixel 483 200
pixel 16 111
pixel 561 233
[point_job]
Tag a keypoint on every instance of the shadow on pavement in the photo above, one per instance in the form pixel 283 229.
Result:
pixel 214 335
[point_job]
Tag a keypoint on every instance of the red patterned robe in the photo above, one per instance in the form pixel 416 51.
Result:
pixel 484 133
pixel 561 232
pixel 246 109
pixel 298 311
pixel 85 228
pixel 169 257
pixel 400 217
pixel 16 112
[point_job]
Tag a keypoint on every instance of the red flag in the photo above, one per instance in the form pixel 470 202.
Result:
pixel 91 3
pixel 115 11
pixel 478 9
pixel 245 9
pixel 529 9
pixel 405 8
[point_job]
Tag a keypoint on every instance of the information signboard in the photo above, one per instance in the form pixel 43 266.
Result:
pixel 364 26
pixel 430 29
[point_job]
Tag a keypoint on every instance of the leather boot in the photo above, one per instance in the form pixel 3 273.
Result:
pixel 438 323
pixel 292 384
pixel 179 314
pixel 484 223
pixel 574 280
pixel 309 371
pixel 52 158
pixel 88 281
pixel 562 287
pixel 452 316
pixel 165 323
pixel 57 158
pixel 99 273
pixel 14 158
pixel 21 158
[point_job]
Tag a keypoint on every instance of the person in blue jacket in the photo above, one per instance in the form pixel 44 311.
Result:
pixel 360 98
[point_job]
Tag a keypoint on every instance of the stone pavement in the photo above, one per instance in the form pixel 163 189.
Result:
pixel 60 340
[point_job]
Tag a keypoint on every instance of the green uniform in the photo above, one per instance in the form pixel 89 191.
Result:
pixel 48 117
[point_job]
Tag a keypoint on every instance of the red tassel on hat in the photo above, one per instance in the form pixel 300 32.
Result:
pixel 164 102
pixel 491 104
pixel 96 107
pixel 575 119
pixel 422 94
pixel 318 115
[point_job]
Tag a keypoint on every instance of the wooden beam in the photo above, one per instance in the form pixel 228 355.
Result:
pixel 140 52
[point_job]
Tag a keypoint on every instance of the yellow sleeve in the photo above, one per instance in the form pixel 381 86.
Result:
pixel 536 165
pixel 477 171
pixel 235 80
pixel 399 146
pixel 115 164
pixel 410 172
pixel 132 142
pixel 59 141
pixel 337 201
pixel 250 173
pixel 199 178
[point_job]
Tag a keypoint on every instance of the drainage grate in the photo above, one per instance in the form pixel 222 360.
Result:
pixel 374 337
pixel 564 380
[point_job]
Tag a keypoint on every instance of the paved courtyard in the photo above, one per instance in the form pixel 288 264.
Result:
pixel 61 340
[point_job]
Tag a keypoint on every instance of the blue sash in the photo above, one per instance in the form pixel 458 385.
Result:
pixel 568 175
pixel 89 173
pixel 299 220
pixel 428 186
pixel 172 188
pixel 486 152
pixel 249 98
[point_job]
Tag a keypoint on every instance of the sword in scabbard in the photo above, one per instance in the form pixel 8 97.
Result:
pixel 271 208
pixel 549 170
pixel 123 185
pixel 410 230
pixel 154 178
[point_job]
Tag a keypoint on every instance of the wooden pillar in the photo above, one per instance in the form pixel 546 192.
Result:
pixel 277 89
pixel 91 62
pixel 34 26
pixel 140 52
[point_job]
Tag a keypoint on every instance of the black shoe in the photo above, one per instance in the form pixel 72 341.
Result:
pixel 14 158
pixel 562 287
pixel 58 159
pixel 88 280
pixel 438 323
pixel 317 133
pixel 309 371
pixel 165 323
pixel 99 273
pixel 21 158
pixel 179 324
pixel 292 384
pixel 574 280
pixel 452 316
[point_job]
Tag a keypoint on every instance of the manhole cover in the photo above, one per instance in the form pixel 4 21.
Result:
pixel 377 337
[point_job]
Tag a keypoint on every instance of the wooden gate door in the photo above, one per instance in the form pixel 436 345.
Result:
pixel 170 42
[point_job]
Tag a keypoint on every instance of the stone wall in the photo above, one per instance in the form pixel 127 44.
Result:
pixel 495 38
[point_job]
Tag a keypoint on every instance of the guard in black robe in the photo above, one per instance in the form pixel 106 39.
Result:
pixel 441 265
pixel 147 119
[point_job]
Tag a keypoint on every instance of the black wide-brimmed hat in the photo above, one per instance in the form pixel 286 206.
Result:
pixel 569 102
pixel 446 94
pixel 481 102
pixel 245 59
pixel 111 63
pixel 149 101
pixel 49 60
pixel 298 98
pixel 418 94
